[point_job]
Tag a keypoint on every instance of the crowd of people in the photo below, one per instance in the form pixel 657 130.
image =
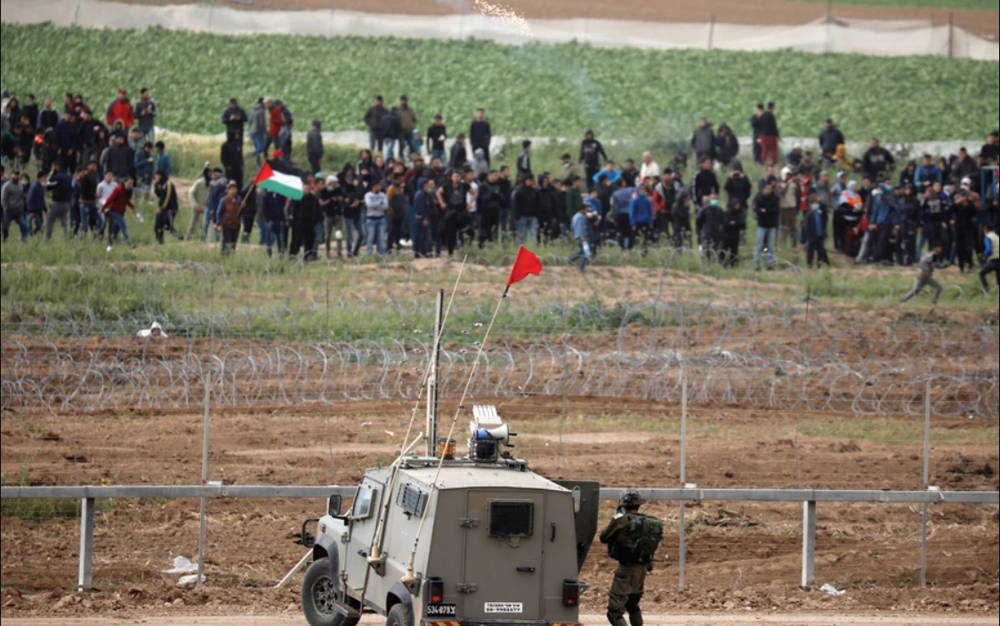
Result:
pixel 428 193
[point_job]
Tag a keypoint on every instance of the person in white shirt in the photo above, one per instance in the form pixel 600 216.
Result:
pixel 104 190
pixel 649 168
pixel 376 205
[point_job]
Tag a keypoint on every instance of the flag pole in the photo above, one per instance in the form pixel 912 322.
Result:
pixel 409 578
pixel 253 185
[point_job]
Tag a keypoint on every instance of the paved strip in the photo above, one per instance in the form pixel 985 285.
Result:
pixel 696 619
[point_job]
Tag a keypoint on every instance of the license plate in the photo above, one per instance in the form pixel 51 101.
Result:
pixel 440 610
pixel 503 607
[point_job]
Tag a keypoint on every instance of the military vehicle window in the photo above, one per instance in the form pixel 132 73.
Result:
pixel 411 500
pixel 362 506
pixel 511 518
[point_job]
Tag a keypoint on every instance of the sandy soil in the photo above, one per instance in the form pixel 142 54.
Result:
pixel 983 23
pixel 741 556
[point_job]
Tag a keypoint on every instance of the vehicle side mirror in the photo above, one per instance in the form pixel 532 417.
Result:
pixel 333 504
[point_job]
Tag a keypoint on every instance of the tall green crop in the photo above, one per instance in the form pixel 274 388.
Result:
pixel 534 89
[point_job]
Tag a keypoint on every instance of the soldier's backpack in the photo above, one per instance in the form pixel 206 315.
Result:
pixel 638 540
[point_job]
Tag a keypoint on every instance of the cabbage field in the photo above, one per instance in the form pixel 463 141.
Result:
pixel 537 90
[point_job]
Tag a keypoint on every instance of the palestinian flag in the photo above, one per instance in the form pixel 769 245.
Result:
pixel 281 184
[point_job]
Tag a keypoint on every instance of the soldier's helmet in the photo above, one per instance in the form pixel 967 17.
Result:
pixel 630 499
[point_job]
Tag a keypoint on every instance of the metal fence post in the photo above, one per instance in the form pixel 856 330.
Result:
pixel 202 530
pixel 681 530
pixel 85 578
pixel 951 34
pixel 926 480
pixel 808 544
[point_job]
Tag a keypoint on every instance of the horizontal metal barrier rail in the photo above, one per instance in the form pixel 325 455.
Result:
pixel 608 493
pixel 808 497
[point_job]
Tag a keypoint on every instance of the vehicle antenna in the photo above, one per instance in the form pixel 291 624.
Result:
pixel 430 378
pixel 431 363
pixel 409 578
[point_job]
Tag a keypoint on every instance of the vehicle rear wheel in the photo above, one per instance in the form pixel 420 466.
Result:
pixel 319 595
pixel 397 616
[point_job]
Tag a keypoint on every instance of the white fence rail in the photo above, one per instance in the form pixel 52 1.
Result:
pixel 808 497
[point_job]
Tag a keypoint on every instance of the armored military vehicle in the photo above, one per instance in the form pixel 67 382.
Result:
pixel 441 541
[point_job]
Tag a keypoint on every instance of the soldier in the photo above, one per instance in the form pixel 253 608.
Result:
pixel 632 538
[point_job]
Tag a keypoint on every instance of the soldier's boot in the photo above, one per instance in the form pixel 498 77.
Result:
pixel 616 618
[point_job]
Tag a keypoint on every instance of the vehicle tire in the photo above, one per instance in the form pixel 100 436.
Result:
pixel 398 616
pixel 319 594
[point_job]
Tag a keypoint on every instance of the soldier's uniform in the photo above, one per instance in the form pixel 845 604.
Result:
pixel 627 585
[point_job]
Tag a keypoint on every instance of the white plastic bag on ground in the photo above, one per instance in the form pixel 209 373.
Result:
pixel 833 591
pixel 189 580
pixel 182 565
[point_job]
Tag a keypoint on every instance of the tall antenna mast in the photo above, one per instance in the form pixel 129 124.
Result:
pixel 432 387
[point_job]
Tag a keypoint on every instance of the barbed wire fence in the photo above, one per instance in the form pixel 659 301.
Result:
pixel 763 357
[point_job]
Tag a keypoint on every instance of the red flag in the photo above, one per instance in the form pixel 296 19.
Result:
pixel 264 173
pixel 526 262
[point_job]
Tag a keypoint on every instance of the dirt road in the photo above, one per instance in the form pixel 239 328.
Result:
pixel 664 620
pixel 982 23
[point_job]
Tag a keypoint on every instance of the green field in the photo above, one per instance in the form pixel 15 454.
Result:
pixel 535 89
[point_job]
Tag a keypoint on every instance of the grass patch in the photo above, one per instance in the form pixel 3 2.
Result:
pixel 65 288
pixel 896 431
pixel 40 509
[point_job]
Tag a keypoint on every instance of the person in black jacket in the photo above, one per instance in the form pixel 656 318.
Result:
pixel 121 159
pixel 524 209
pixel 680 215
pixel 738 186
pixel 524 161
pixel 733 223
pixel 166 205
pixel 829 139
pixel 709 222
pixel 306 214
pixel 591 155
pixel 765 207
pixel 755 131
pixel 231 156
pixel 489 202
pixel 877 162
pixel 390 131
pixel 452 204
pixel 480 134
pixel 727 146
pixel 767 127
pixel 548 217
pixel 705 182
pixel 234 118
pixel 66 137
pixel 457 157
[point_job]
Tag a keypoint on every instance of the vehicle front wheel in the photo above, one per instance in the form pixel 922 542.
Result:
pixel 397 616
pixel 319 595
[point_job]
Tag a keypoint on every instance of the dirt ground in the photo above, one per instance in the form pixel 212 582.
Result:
pixel 729 619
pixel 982 23
pixel 740 556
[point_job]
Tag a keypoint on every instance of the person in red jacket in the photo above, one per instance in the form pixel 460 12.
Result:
pixel 115 208
pixel 275 120
pixel 121 109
